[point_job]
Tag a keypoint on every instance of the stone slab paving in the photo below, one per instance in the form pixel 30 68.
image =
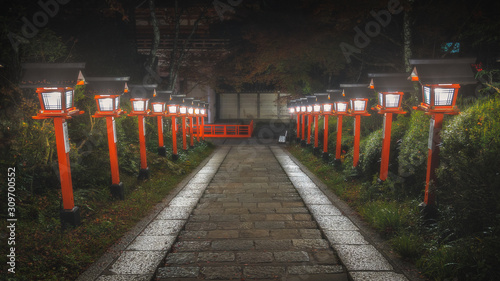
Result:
pixel 144 254
pixel 252 224
pixel 362 260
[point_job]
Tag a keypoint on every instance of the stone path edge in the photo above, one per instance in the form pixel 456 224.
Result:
pixel 97 268
pixel 369 234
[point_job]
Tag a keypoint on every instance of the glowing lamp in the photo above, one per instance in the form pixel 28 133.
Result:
pixel 55 83
pixel 107 91
pixel 158 108
pixel 174 106
pixel 358 100
pixel 440 80
pixel 291 107
pixel 196 107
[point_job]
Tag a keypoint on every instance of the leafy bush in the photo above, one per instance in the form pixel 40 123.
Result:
pixel 388 216
pixel 469 175
pixel 413 153
pixel 370 154
pixel 408 245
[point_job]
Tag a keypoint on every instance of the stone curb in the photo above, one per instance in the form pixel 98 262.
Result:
pixel 138 253
pixel 362 260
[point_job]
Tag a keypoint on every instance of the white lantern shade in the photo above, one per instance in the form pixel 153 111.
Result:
pixel 140 105
pixel 340 107
pixel 327 108
pixel 197 111
pixel 317 108
pixel 309 108
pixel 443 96
pixel 203 111
pixel 392 100
pixel 427 95
pixel 158 107
pixel 190 110
pixel 69 99
pixel 106 104
pixel 291 110
pixel 303 108
pixel 358 105
pixel 52 100
pixel 172 109
pixel 182 110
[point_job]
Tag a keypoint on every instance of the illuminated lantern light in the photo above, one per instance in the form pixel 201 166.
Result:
pixel 140 96
pixel 173 105
pixel 390 88
pixel 55 84
pixel 107 91
pixel 440 80
pixel 358 100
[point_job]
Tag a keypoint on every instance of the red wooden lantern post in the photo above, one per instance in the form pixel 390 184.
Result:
pixel 203 114
pixel 291 110
pixel 196 109
pixel 297 112
pixel 140 97
pixel 55 85
pixel 190 114
pixel 107 91
pixel 316 113
pixel 173 111
pixel 440 80
pixel 326 111
pixel 303 113
pixel 158 109
pixel 358 104
pixel 183 114
pixel 390 88
pixel 340 106
pixel 310 114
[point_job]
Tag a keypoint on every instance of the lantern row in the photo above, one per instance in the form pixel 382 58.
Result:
pixel 55 85
pixel 440 80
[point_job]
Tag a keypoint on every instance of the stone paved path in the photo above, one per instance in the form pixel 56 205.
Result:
pixel 251 223
pixel 250 213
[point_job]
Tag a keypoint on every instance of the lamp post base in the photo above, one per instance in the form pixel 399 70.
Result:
pixel 118 191
pixel 143 174
pixel 429 213
pixel 297 140
pixel 325 156
pixel 303 143
pixel 191 146
pixel 316 151
pixel 70 217
pixel 175 157
pixel 162 151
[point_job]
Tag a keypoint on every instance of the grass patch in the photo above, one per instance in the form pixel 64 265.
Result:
pixel 45 252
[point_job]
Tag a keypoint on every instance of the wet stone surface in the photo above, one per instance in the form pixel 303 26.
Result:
pixel 251 223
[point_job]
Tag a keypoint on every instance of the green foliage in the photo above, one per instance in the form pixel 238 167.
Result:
pixel 388 216
pixel 370 153
pixel 413 153
pixel 408 245
pixel 469 172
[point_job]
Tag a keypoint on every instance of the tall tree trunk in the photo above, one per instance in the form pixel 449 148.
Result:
pixel 407 37
pixel 173 54
pixel 152 62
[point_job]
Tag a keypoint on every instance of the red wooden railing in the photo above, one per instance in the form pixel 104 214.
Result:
pixel 226 131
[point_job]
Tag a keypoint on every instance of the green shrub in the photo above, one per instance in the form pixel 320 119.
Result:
pixel 413 151
pixel 387 216
pixel 408 245
pixel 370 152
pixel 469 173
